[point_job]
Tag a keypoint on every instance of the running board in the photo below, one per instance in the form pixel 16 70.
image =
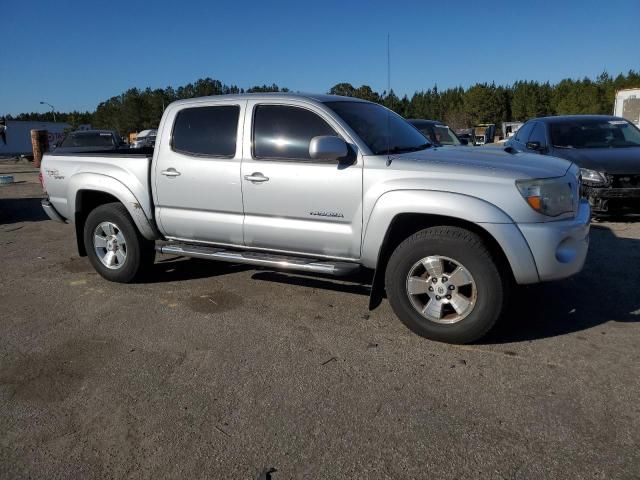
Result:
pixel 260 259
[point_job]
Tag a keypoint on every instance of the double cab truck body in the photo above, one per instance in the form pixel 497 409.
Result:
pixel 329 184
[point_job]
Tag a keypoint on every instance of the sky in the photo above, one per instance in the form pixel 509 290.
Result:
pixel 74 54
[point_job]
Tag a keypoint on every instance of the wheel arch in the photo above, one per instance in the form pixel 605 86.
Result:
pixel 137 253
pixel 389 225
pixel 86 201
pixel 88 191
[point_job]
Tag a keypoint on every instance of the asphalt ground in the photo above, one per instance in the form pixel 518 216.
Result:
pixel 211 370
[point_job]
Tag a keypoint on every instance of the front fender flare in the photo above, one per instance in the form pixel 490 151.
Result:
pixel 455 205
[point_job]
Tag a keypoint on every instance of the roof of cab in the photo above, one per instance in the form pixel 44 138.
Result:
pixel 569 118
pixel 320 98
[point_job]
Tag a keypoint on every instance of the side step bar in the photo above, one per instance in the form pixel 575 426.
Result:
pixel 260 259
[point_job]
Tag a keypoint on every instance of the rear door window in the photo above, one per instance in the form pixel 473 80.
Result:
pixel 285 132
pixel 207 131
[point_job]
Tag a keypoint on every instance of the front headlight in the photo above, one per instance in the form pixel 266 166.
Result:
pixel 548 196
pixel 592 177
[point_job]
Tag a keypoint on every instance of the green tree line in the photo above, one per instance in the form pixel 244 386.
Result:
pixel 137 109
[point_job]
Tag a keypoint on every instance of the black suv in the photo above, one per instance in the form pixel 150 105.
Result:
pixel 606 148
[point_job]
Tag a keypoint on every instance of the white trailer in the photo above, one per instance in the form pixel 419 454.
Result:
pixel 627 105
pixel 15 135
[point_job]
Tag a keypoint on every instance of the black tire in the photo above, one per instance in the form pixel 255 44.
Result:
pixel 140 252
pixel 466 248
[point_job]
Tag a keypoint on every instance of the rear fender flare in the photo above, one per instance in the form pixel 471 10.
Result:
pixel 106 184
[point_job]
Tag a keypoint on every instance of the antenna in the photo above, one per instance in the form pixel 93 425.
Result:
pixel 388 94
pixel 388 64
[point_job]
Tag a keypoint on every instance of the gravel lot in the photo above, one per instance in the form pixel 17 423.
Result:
pixel 219 371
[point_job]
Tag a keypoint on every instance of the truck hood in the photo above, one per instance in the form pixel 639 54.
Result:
pixel 610 160
pixel 487 161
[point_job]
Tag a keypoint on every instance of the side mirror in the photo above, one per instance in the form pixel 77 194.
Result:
pixel 327 148
pixel 536 146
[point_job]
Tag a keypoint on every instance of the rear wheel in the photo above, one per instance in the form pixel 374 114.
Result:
pixel 444 285
pixel 115 247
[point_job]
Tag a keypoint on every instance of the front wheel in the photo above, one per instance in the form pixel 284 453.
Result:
pixel 444 285
pixel 115 247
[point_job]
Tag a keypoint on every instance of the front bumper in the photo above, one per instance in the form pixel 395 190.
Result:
pixel 559 248
pixel 51 211
pixel 610 199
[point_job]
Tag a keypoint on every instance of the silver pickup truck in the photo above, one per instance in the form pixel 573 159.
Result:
pixel 329 184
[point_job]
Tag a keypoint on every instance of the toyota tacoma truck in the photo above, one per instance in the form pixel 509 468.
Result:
pixel 327 184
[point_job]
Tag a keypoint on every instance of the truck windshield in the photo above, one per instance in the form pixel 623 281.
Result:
pixel 383 131
pixel 594 134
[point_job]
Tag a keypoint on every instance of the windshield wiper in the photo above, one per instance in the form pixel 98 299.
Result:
pixel 393 150
pixel 563 146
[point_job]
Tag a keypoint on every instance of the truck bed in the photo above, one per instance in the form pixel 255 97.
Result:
pixel 64 174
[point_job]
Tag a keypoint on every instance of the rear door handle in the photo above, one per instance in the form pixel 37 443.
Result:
pixel 256 177
pixel 170 172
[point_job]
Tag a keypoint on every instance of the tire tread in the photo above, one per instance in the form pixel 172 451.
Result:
pixel 145 253
pixel 452 234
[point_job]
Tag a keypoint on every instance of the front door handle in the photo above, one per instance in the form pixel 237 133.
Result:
pixel 256 177
pixel 170 172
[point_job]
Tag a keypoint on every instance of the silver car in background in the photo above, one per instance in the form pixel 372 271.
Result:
pixel 145 139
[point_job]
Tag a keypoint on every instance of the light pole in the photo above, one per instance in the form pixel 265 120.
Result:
pixel 53 109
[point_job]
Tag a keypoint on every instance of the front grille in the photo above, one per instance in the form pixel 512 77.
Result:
pixel 625 181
